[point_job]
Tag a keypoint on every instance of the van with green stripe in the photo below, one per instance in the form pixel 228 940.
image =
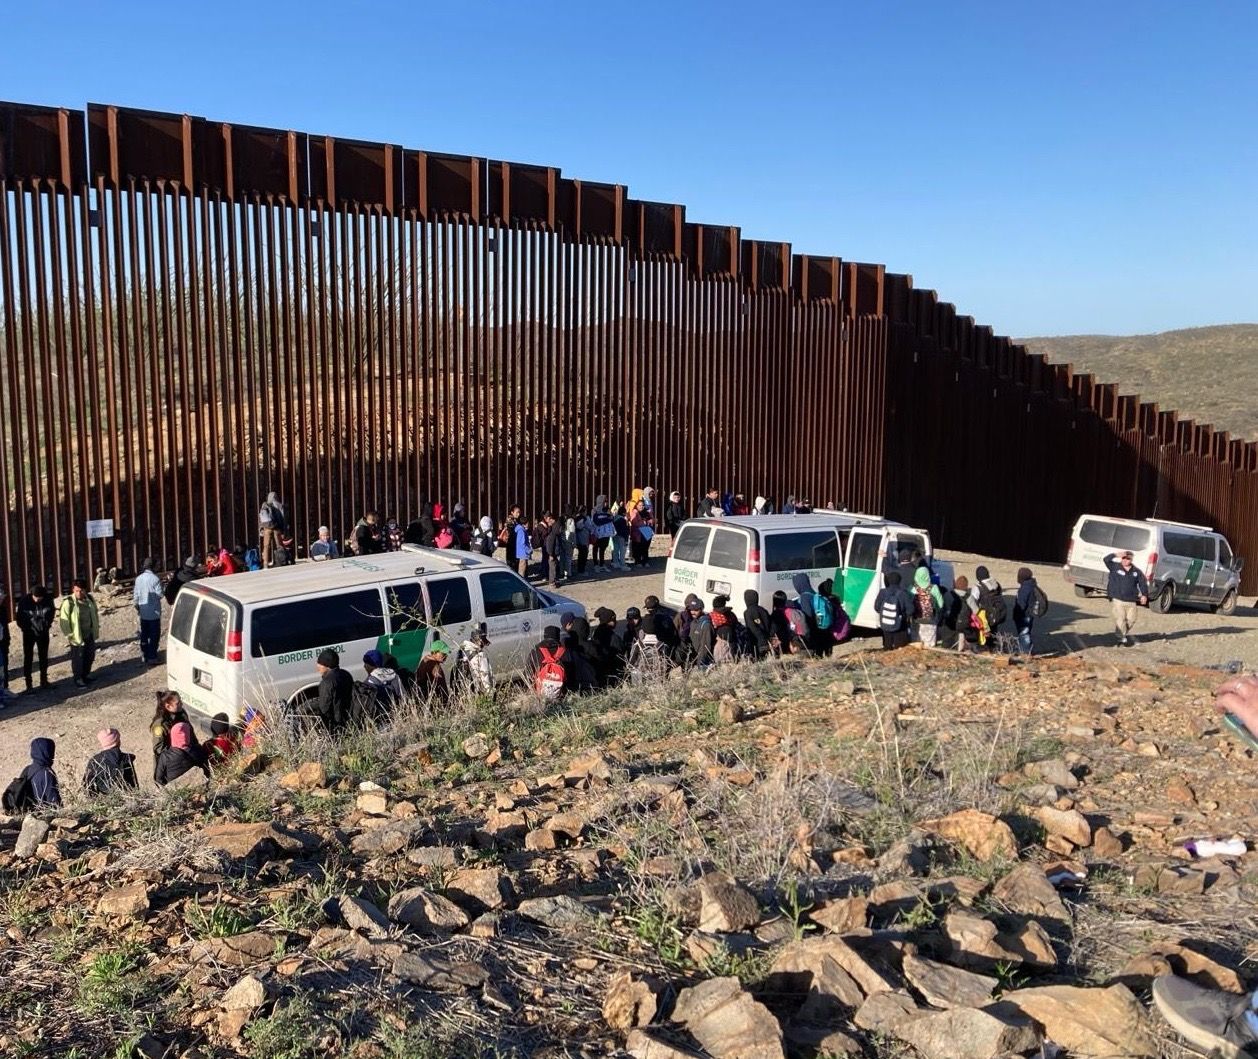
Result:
pixel 725 556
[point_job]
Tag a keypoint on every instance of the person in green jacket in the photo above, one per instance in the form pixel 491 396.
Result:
pixel 927 607
pixel 80 625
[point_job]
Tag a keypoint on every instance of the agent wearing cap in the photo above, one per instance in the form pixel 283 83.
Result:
pixel 336 691
pixel 1127 587
pixel 325 547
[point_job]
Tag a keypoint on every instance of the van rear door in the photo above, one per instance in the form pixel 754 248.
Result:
pixel 685 563
pixel 203 653
pixel 731 557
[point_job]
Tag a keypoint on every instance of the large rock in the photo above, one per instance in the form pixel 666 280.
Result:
pixel 1055 771
pixel 884 1012
pixel 438 974
pixel 1069 824
pixel 308 776
pixel 1088 1022
pixel 629 1001
pixel 391 838
pixel 724 905
pixel 728 1022
pixel 841 915
pixel 560 912
pixel 585 768
pixel 425 912
pixel 1168 957
pixel 966 1032
pixel 34 831
pixel 1027 891
pixel 248 994
pixel 804 964
pixel 978 943
pixel 479 889
pixel 357 914
pixel 264 841
pixel 241 950
pixel 946 986
pixel 980 834
pixel 124 902
pixel 649 1044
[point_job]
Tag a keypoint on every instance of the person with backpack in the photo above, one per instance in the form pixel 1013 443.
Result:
pixel 840 626
pixel 186 574
pixel 110 769
pixel 602 530
pixel 894 608
pixel 182 756
pixel 725 631
pixel 168 713
pixel 36 787
pixel 483 539
pixel 324 548
pixel 989 595
pixel 549 666
pixel 815 639
pixel 661 622
pixel 1030 603
pixel 35 615
pixel 272 528
pixel 146 595
pixel 79 621
pixel 367 538
pixel 584 538
pixel 383 681
pixel 928 606
pixel 1126 587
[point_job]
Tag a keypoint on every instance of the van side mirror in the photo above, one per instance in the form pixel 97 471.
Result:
pixel 1237 564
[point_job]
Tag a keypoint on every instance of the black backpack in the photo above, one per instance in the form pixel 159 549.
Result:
pixel 993 605
pixel 1039 602
pixel 17 797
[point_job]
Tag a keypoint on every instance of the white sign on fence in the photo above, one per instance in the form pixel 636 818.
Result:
pixel 99 528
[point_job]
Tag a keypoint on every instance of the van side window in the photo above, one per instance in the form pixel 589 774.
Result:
pixel 692 542
pixel 1225 553
pixel 406 607
pixel 1114 535
pixel 211 635
pixel 864 552
pixel 181 620
pixel 729 550
pixel 505 594
pixel 451 603
pixel 307 624
pixel 801 550
pixel 1189 545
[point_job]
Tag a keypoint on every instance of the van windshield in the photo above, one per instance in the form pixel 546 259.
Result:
pixel 801 550
pixel 1114 535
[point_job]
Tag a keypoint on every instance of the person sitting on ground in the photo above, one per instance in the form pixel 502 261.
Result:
pixel 224 740
pixel 36 787
pixel 334 703
pixel 472 669
pixel 699 633
pixel 382 678
pixel 581 651
pixel 756 620
pixel 894 608
pixel 182 756
pixel 110 769
pixel 780 634
pixel 725 629
pixel 430 677
pixel 324 548
pixel 815 641
pixel 255 728
pixel 542 661
pixel 628 630
pixel 367 537
pixel 169 713
pixel 661 621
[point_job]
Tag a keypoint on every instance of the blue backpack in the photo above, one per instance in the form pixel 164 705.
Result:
pixel 824 609
pixel 253 561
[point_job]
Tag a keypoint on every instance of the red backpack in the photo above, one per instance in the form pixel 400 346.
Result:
pixel 550 679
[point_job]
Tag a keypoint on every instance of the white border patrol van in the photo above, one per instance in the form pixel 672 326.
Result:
pixel 725 556
pixel 1183 563
pixel 253 638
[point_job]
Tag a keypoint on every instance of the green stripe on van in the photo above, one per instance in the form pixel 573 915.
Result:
pixel 856 587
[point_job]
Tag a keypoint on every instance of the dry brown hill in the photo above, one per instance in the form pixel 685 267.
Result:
pixel 1205 373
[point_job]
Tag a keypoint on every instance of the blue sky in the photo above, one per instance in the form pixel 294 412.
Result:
pixel 1050 169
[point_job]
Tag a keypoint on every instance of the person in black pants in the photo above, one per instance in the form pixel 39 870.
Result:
pixel 35 615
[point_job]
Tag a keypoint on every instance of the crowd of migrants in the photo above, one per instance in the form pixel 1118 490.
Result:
pixel 575 657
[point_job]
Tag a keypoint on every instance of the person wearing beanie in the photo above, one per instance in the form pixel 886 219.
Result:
pixel 147 597
pixel 660 621
pixel 1024 607
pixel 323 548
pixel 169 712
pixel 110 769
pixel 550 648
pixel 430 676
pixel 336 691
pixel 383 679
pixel 182 756
pixel 989 595
pixel 894 607
pixel 224 740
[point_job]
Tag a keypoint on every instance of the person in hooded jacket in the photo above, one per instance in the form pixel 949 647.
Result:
pixel 110 769
pixel 42 788
pixel 989 595
pixel 674 514
pixel 781 637
pixel 188 572
pixel 699 633
pixel 1023 605
pixel 182 756
pixel 550 644
pixel 756 620
pixel 894 607
pixel 660 621
pixel 483 540
pixel 272 525
pixel 472 670
pixel 928 607
pixel 602 529
pixel 725 630
pixel 224 741
pixel 383 679
pixel 584 672
pixel 430 678
pixel 169 713
pixel 815 641
pixel 35 615
pixel 335 700
pixel 641 530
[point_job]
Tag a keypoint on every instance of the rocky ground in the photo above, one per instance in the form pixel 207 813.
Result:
pixel 904 854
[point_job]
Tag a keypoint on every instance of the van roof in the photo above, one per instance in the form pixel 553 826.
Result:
pixel 1144 523
pixel 349 572
pixel 815 520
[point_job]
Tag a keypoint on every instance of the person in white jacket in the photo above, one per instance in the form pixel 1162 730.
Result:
pixel 472 669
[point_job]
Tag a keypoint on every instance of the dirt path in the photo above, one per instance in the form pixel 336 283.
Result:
pixel 124 692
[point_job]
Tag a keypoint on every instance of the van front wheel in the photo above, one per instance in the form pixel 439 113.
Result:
pixel 1163 600
pixel 1227 605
